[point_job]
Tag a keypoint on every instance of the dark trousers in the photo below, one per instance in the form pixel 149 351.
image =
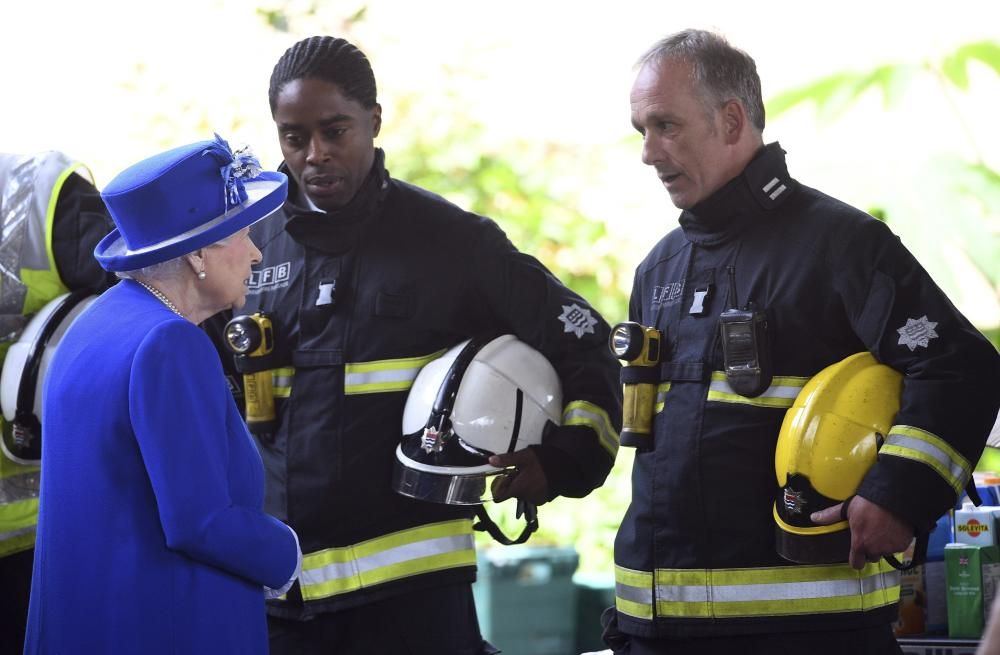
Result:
pixel 877 640
pixel 438 621
pixel 15 587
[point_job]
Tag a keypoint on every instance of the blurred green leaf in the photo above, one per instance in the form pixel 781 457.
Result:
pixel 357 16
pixel 955 65
pixel 836 93
pixel 819 92
pixel 993 334
pixel 968 194
pixel 953 68
pixel 879 213
pixel 275 18
pixel 980 185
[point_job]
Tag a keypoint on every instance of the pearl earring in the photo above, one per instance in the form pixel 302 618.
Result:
pixel 202 275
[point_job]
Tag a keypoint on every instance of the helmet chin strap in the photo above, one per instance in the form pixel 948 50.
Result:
pixel 923 536
pixel 486 524
pixel 26 426
pixel 919 554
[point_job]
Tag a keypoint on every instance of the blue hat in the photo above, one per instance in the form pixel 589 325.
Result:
pixel 184 199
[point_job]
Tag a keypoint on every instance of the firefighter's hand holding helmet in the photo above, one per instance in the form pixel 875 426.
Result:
pixel 472 420
pixel 471 424
pixel 527 481
pixel 875 531
pixel 829 440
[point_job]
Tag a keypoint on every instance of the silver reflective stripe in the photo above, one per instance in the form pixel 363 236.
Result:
pixel 781 394
pixel 23 486
pixel 384 375
pixel 411 552
pixel 643 595
pixel 777 591
pixel 916 444
pixel 380 377
pixel 20 223
pixel 683 593
pixel 388 557
pixel 580 412
pixel 884 580
pixel 282 377
pixel 661 397
pixel 749 592
pixel 26 199
pixel 5 536
pixel 29 188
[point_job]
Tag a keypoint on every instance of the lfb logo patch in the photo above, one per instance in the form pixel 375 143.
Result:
pixel 578 320
pixel 666 295
pixel 269 277
pixel 794 501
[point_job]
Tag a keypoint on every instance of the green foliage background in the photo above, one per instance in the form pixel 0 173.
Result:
pixel 514 187
pixel 964 191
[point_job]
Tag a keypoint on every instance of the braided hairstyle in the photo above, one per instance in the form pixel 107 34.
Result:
pixel 325 58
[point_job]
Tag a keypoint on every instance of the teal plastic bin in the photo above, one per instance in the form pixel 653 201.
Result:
pixel 594 594
pixel 526 599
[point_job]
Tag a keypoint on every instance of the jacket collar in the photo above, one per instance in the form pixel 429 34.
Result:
pixel 762 186
pixel 330 231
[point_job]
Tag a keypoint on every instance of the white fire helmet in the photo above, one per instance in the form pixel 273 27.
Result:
pixel 23 377
pixel 482 397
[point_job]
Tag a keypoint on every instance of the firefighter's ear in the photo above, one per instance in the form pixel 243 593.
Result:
pixel 734 121
pixel 376 120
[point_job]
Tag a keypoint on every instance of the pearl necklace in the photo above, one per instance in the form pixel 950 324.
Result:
pixel 162 298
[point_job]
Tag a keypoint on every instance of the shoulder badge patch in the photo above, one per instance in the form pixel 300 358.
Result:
pixel 917 332
pixel 578 320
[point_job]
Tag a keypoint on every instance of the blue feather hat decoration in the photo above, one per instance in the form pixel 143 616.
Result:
pixel 234 168
pixel 184 199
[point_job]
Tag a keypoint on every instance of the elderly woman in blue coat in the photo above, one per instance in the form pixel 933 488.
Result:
pixel 151 536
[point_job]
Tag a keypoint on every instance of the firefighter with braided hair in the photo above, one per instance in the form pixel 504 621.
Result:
pixel 365 279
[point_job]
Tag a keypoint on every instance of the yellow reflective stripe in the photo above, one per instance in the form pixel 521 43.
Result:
pixel 281 381
pixel 40 288
pixel 18 519
pixel 424 549
pixel 50 214
pixel 781 393
pixel 633 578
pixel 43 286
pixel 661 397
pixel 384 375
pixel 776 591
pixel 634 592
pixel 580 412
pixel 913 443
pixel 16 540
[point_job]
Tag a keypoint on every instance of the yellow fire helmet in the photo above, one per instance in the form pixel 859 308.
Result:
pixel 829 439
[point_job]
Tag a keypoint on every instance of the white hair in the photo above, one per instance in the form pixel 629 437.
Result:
pixel 168 270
